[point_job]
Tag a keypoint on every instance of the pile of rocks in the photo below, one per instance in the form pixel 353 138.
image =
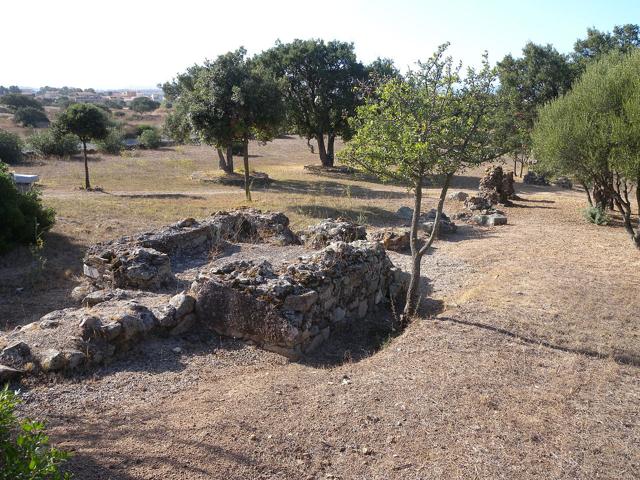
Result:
pixel 144 261
pixel 427 220
pixel 396 240
pixel 495 187
pixel 330 230
pixel 533 178
pixel 112 321
pixel 564 182
pixel 289 309
pixel 292 310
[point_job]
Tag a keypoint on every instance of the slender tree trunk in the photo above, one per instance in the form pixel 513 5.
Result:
pixel 521 168
pixel 87 184
pixel 222 162
pixel 515 164
pixel 230 158
pixel 247 180
pixel 417 251
pixel 586 189
pixel 322 151
pixel 331 139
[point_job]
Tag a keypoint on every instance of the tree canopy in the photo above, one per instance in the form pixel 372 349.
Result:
pixel 143 105
pixel 30 117
pixel 86 121
pixel 431 122
pixel 593 133
pixel 319 83
pixel 14 101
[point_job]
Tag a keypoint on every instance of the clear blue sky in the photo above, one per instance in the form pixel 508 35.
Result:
pixel 137 43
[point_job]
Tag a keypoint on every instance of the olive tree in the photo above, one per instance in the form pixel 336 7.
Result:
pixel 431 122
pixel 593 133
pixel 86 121
pixel 319 83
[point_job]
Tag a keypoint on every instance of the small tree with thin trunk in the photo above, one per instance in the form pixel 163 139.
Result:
pixel 86 121
pixel 431 122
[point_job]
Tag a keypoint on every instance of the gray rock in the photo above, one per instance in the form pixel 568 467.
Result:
pixel 74 358
pixel 183 304
pixel 405 213
pixel 16 354
pixel 301 303
pixel 111 331
pixel 459 196
pixel 166 316
pixel 7 374
pixel 339 314
pixel 52 360
pixel 185 325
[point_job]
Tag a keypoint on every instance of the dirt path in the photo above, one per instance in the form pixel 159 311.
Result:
pixel 445 399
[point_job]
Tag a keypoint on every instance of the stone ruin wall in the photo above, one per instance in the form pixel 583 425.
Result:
pixel 290 308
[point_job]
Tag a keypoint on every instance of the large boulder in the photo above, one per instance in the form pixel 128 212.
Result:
pixel 332 230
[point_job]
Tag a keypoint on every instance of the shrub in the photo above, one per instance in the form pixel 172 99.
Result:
pixel 112 143
pixel 596 215
pixel 10 147
pixel 49 143
pixel 24 217
pixel 141 128
pixel 30 117
pixel 16 101
pixel 119 113
pixel 24 447
pixel 143 104
pixel 150 138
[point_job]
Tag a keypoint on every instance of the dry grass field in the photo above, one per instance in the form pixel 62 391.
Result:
pixel 523 364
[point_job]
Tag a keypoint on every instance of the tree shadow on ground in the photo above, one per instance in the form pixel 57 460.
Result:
pixel 34 283
pixel 85 434
pixel 369 215
pixel 333 189
pixel 159 196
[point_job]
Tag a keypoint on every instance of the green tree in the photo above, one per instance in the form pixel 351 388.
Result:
pixel 52 143
pixel 30 117
pixel 86 121
pixel 15 101
pixel 143 104
pixel 593 133
pixel 150 138
pixel 624 39
pixel 431 122
pixel 10 147
pixel 527 83
pixel 319 83
pixel 231 99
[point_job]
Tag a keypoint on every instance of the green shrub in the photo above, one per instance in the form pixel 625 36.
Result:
pixel 112 143
pixel 596 215
pixel 150 138
pixel 16 101
pixel 25 452
pixel 143 104
pixel 24 217
pixel 30 117
pixel 10 147
pixel 119 113
pixel 50 143
pixel 141 128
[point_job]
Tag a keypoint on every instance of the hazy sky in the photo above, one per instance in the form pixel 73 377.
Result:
pixel 139 43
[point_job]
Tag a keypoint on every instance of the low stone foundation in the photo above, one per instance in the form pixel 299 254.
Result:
pixel 289 308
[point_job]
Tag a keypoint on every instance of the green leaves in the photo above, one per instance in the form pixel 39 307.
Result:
pixel 84 120
pixel 431 121
pixel 24 447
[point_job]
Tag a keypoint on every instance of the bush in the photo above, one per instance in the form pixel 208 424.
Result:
pixel 10 147
pixel 150 138
pixel 141 128
pixel 119 113
pixel 112 143
pixel 30 117
pixel 596 215
pixel 16 101
pixel 24 447
pixel 143 104
pixel 24 217
pixel 50 143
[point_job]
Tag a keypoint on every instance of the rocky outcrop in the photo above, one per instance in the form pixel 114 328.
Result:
pixel 391 239
pixel 330 230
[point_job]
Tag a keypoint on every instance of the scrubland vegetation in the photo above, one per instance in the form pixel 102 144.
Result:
pixel 522 371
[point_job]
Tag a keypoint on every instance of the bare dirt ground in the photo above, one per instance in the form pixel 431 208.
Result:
pixel 524 363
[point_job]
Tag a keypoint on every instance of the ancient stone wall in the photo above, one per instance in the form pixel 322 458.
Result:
pixel 290 308
pixel 293 309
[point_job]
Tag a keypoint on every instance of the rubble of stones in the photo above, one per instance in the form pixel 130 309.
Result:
pixel 496 187
pixel 132 291
pixel 533 178
pixel 427 220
